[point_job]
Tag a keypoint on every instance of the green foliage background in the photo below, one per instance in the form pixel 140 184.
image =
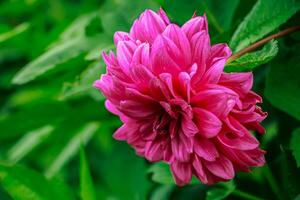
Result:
pixel 56 137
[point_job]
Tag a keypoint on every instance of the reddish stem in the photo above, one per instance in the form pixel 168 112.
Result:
pixel 263 41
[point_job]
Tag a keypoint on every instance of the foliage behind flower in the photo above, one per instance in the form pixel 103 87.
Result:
pixel 167 85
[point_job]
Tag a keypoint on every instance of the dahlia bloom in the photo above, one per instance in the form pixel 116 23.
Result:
pixel 167 85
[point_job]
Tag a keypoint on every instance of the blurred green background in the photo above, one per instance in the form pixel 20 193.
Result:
pixel 56 136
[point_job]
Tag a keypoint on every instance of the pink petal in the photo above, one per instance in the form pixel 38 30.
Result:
pixel 208 124
pixel 216 99
pixel 125 50
pixel 194 26
pixel 180 40
pixel 182 172
pixel 121 36
pixel 200 50
pixel 164 16
pixel 153 151
pixel 247 142
pixel 147 27
pixel 205 149
pixel 222 167
pixel 216 62
pixel 239 82
pixel 120 134
pixel 165 56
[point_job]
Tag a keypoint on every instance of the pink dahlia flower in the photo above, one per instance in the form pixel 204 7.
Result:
pixel 167 85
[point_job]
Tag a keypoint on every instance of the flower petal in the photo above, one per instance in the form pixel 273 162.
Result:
pixel 208 124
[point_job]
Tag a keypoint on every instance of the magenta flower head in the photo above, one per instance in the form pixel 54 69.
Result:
pixel 167 85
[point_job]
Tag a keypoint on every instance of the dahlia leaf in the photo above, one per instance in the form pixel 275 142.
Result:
pixel 26 184
pixel 254 59
pixel 87 190
pixel 129 183
pixel 295 147
pixel 265 17
pixel 220 193
pixel 124 13
pixel 40 114
pixel 162 192
pixel 55 56
pixel 28 142
pixel 83 83
pixel 70 150
pixel 14 32
pixel 283 84
pixel 219 13
pixel 161 173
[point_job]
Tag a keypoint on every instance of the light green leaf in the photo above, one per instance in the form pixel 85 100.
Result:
pixel 265 17
pixel 295 145
pixel 283 85
pixel 95 54
pixel 77 27
pixel 254 59
pixel 163 192
pixel 16 31
pixel 84 82
pixel 55 56
pixel 28 142
pixel 70 150
pixel 25 184
pixel 87 190
pixel 161 173
pixel 219 193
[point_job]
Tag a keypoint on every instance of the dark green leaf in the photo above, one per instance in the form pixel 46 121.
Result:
pixel 283 84
pixel 295 145
pixel 221 193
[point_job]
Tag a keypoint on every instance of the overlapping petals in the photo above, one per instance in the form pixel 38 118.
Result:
pixel 168 86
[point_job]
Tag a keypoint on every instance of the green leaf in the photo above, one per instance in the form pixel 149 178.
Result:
pixel 124 174
pixel 84 82
pixel 161 173
pixel 295 145
pixel 25 184
pixel 55 56
pixel 125 12
pixel 70 150
pixel 221 192
pixel 16 31
pixel 162 193
pixel 219 13
pixel 283 85
pixel 87 190
pixel 28 142
pixel 40 114
pixel 254 59
pixel 265 17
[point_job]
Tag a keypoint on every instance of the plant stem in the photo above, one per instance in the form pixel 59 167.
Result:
pixel 272 181
pixel 245 195
pixel 263 41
